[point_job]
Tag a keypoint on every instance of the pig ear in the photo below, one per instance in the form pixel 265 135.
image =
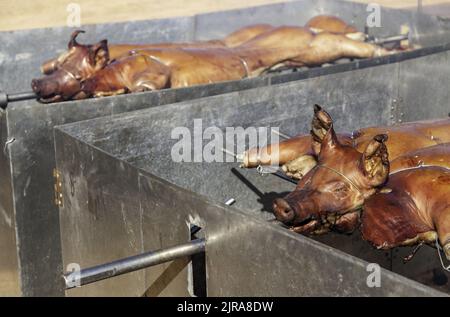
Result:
pixel 375 160
pixel 320 126
pixel 99 54
pixel 329 143
pixel 73 38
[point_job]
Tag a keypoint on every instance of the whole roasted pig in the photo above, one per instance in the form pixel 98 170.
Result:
pixel 66 72
pixel 89 71
pixel 346 172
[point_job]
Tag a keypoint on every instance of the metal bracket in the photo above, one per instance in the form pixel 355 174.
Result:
pixel 58 188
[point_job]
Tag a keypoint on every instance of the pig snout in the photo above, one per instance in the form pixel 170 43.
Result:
pixel 283 211
pixel 44 88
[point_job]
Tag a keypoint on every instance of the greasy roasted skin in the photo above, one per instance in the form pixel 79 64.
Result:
pixel 299 46
pixel 245 34
pixel 324 195
pixel 249 52
pixel 127 75
pixel 437 155
pixel 330 24
pixel 416 210
pixel 319 24
pixel 407 137
pixel 290 46
pixel 157 69
pixel 199 66
pixel 80 62
pixel 402 138
pixel 116 51
pixel 346 175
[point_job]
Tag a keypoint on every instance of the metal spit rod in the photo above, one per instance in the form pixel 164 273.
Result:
pixel 136 262
pixel 132 263
pixel 391 39
pixel 6 98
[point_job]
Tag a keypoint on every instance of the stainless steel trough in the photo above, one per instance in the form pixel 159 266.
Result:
pixel 123 194
pixel 29 224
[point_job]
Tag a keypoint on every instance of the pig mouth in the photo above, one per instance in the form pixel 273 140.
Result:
pixel 57 97
pixel 51 98
pixel 307 225
pixel 329 221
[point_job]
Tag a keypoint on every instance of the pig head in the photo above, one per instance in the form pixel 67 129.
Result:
pixel 330 195
pixel 66 73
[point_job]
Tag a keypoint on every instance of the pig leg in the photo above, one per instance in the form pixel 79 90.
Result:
pixel 326 47
pixel 298 167
pixel 110 93
pixel 152 79
pixel 278 153
pixel 347 223
pixel 309 228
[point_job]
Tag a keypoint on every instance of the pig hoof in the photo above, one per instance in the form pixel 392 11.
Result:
pixel 380 51
pixel 299 167
pixel 297 176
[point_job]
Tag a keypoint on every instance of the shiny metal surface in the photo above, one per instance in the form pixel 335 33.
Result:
pixel 9 279
pixel 26 170
pixel 124 161
pixel 245 255
pixel 131 264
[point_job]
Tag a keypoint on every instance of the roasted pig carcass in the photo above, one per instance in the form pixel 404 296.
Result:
pixel 76 52
pixel 413 209
pixel 403 138
pixel 350 171
pixel 264 48
pixel 282 46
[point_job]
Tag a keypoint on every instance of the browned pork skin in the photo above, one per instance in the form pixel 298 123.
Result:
pixel 345 178
pixel 415 210
pixel 319 24
pixel 403 138
pixel 193 66
pixel 263 48
pixel 76 51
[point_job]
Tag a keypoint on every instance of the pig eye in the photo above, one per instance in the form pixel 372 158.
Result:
pixel 335 187
pixel 340 188
pixel 341 191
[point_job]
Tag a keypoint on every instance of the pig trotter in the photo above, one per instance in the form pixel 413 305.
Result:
pixel 299 167
pixel 308 228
